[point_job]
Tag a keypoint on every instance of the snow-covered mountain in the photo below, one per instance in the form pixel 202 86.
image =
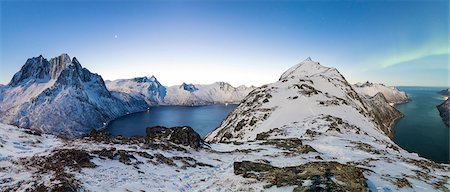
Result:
pixel 392 94
pixel 141 88
pixel 317 108
pixel 61 97
pixel 151 90
pixel 216 93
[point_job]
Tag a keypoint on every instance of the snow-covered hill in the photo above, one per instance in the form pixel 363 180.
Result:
pixel 392 94
pixel 61 97
pixel 317 108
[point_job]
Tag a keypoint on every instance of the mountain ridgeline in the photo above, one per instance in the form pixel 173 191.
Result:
pixel 61 97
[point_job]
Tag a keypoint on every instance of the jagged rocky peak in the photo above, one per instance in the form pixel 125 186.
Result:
pixel 60 97
pixel 35 68
pixel 39 69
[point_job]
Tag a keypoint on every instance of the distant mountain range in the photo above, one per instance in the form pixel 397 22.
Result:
pixel 151 90
pixel 59 96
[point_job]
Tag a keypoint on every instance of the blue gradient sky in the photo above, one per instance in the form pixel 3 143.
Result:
pixel 241 42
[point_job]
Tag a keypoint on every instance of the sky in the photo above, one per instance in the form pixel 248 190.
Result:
pixel 403 43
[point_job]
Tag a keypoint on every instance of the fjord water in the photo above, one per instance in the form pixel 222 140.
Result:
pixel 422 130
pixel 203 119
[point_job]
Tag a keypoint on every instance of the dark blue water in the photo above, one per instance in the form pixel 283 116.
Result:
pixel 203 119
pixel 422 130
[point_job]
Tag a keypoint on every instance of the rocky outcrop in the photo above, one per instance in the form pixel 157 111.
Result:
pixel 184 135
pixel 325 176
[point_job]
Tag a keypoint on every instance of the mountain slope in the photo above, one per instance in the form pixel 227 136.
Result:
pixel 392 94
pixel 141 88
pixel 59 96
pixel 317 108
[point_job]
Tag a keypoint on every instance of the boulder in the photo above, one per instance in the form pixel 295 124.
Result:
pixel 184 135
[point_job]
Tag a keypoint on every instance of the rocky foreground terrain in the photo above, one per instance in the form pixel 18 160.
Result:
pixel 309 131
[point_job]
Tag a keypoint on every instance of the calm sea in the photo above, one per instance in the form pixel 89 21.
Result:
pixel 203 119
pixel 422 130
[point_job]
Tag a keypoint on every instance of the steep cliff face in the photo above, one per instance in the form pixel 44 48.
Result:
pixel 444 111
pixel 59 96
pixel 385 114
pixel 392 94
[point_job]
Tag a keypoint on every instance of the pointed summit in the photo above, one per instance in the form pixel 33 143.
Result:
pixel 308 67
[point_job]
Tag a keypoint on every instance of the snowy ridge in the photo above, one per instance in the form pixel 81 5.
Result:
pixel 61 97
pixel 392 94
pixel 317 106
pixel 216 93
pixel 154 93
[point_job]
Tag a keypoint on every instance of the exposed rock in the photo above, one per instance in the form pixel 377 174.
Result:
pixel 178 135
pixel 60 164
pixel 346 177
pixel 293 145
pixel 402 182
